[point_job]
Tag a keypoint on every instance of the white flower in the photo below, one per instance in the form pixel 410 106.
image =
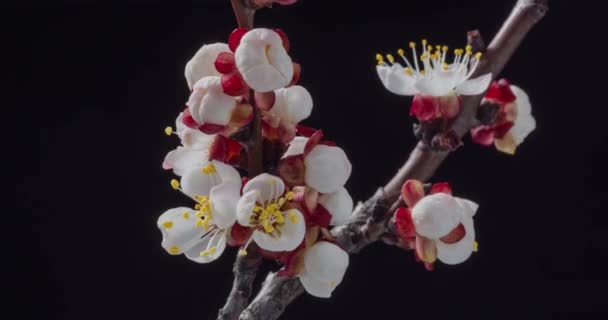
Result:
pixel 291 106
pixel 435 77
pixel 438 217
pixel 209 104
pixel 202 64
pixel 194 151
pixel 261 207
pixel 327 167
pixel 339 204
pixel 324 267
pixel 263 61
pixel 200 234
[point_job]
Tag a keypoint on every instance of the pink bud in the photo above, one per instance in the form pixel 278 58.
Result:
pixel 404 224
pixel 233 85
pixel 500 92
pixel 411 192
pixel 235 38
pixel 224 63
pixel 424 108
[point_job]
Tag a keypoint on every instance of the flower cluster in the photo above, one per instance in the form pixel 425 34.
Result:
pixel 286 212
pixel 438 86
pixel 437 225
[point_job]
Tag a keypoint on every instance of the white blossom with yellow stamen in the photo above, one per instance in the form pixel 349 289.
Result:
pixel 431 74
pixel 194 151
pixel 262 207
pixel 200 234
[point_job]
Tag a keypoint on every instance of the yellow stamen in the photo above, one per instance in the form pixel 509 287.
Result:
pixel 168 131
pixel 174 250
pixel 409 71
pixel 478 55
pixel 289 195
pixel 209 169
pixel 412 44
pixel 444 49
pixel 167 225
pixel 424 42
pixel 174 184
pixel 390 58
pixel 186 215
pixel 379 58
pixel 293 217
pixel 212 250
pixel 242 252
pixel 475 246
pixel 400 52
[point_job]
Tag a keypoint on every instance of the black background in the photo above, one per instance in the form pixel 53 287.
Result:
pixel 91 85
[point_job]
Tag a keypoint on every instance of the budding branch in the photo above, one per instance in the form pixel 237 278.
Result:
pixel 370 220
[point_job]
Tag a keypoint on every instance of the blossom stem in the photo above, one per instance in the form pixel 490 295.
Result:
pixel 244 13
pixel 246 266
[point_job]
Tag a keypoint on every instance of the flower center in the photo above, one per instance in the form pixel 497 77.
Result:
pixel 270 216
pixel 203 212
pixel 434 62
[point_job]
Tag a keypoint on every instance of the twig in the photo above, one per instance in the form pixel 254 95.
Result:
pixel 246 267
pixel 369 219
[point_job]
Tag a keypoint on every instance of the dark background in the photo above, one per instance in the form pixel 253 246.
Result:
pixel 90 87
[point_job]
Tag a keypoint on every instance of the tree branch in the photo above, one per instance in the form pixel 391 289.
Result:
pixel 370 219
pixel 246 267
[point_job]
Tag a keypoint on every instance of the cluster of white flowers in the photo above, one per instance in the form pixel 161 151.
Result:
pixel 277 212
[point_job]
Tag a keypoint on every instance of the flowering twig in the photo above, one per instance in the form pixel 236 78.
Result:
pixel 246 267
pixel 369 221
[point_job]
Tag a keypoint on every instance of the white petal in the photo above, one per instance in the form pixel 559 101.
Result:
pixel 525 122
pixel 224 198
pixel 523 126
pixel 244 207
pixel 436 215
pixel 475 86
pixel 202 64
pixel 217 241
pixel 436 87
pixel 216 108
pixel 460 251
pixel 196 183
pixel 296 146
pixel 292 234
pixel 316 287
pixel 270 187
pixel 339 204
pixel 396 80
pixel 263 61
pixel 264 78
pixel 179 230
pixel 523 101
pixel 183 159
pixel 226 172
pixel 327 168
pixel 201 88
pixel 196 139
pixel 326 261
pixel 293 104
pixel 469 208
pixel 324 268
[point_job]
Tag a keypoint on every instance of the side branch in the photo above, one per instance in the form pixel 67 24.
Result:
pixel 370 219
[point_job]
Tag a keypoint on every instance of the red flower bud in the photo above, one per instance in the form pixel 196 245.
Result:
pixel 235 38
